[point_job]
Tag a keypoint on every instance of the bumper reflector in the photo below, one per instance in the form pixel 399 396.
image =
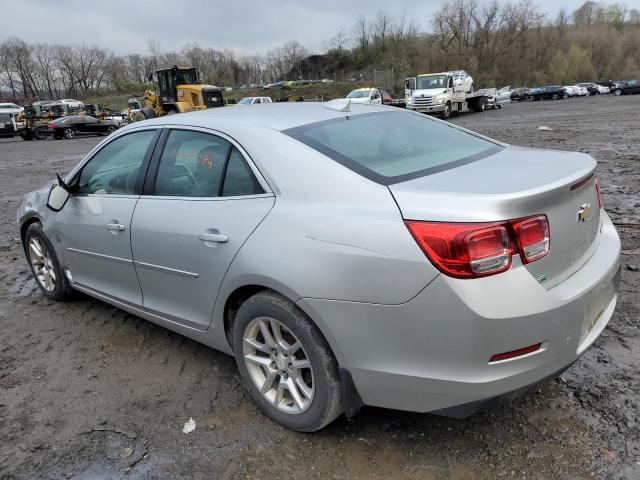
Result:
pixel 515 353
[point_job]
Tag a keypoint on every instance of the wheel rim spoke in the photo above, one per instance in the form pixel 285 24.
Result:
pixel 291 349
pixel 259 360
pixel 303 387
pixel 298 364
pixel 268 383
pixel 253 343
pixel 266 334
pixel 292 388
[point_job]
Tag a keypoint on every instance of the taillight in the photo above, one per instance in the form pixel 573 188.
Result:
pixel 464 250
pixel 598 195
pixel 473 250
pixel 53 125
pixel 532 236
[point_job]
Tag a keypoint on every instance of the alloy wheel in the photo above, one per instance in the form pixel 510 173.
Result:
pixel 278 365
pixel 69 133
pixel 42 264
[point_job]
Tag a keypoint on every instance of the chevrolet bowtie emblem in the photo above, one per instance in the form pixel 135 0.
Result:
pixel 584 213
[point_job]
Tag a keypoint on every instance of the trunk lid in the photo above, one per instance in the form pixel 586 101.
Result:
pixel 513 183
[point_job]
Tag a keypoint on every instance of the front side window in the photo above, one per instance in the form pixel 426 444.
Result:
pixel 116 167
pixel 390 147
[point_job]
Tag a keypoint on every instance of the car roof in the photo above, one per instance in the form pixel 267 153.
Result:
pixel 276 116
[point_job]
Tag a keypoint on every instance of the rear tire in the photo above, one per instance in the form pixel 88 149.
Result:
pixel 69 133
pixel 273 373
pixel 45 265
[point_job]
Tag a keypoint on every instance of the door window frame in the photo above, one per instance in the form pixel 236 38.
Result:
pixel 154 164
pixel 74 176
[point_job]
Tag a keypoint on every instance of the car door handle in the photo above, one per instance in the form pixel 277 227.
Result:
pixel 116 227
pixel 214 237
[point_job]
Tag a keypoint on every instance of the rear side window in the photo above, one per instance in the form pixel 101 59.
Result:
pixel 239 179
pixel 391 147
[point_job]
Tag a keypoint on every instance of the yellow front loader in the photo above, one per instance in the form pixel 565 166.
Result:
pixel 178 90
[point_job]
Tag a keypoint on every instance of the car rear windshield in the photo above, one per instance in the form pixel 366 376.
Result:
pixel 392 147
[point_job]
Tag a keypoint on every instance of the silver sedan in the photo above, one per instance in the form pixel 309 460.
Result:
pixel 346 255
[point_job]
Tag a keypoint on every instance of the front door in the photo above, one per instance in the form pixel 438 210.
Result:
pixel 95 224
pixel 205 203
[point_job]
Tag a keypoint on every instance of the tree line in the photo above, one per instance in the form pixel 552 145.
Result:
pixel 498 43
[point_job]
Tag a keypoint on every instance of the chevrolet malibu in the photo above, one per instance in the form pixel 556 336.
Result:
pixel 346 255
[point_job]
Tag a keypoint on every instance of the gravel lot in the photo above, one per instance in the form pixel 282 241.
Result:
pixel 88 391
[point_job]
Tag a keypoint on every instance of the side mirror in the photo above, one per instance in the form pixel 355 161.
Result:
pixel 58 195
pixel 410 83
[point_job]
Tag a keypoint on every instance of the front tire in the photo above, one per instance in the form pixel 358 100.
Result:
pixel 617 92
pixel 447 111
pixel 286 364
pixel 39 133
pixel 45 265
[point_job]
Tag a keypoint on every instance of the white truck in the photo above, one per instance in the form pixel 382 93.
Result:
pixel 445 93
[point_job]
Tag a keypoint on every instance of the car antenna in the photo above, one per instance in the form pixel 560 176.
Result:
pixel 339 105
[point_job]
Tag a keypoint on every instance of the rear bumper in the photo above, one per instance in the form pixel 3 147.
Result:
pixel 432 353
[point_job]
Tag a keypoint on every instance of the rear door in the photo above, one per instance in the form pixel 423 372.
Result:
pixel 204 203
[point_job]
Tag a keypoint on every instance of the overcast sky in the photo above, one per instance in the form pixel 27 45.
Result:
pixel 245 26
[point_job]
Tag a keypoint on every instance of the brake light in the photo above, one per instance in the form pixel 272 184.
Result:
pixel 53 125
pixel 598 195
pixel 473 250
pixel 464 250
pixel 532 236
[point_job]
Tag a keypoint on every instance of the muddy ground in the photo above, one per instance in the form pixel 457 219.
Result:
pixel 87 391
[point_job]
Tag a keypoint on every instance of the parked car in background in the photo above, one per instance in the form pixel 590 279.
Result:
pixel 571 90
pixel 551 92
pixel 496 98
pixel 626 87
pixel 69 127
pixel 344 254
pixel 254 100
pixel 520 94
pixel 594 88
pixel 579 91
pixel 7 124
pixel 462 80
pixel 71 103
pixel 11 108
pixel 365 95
